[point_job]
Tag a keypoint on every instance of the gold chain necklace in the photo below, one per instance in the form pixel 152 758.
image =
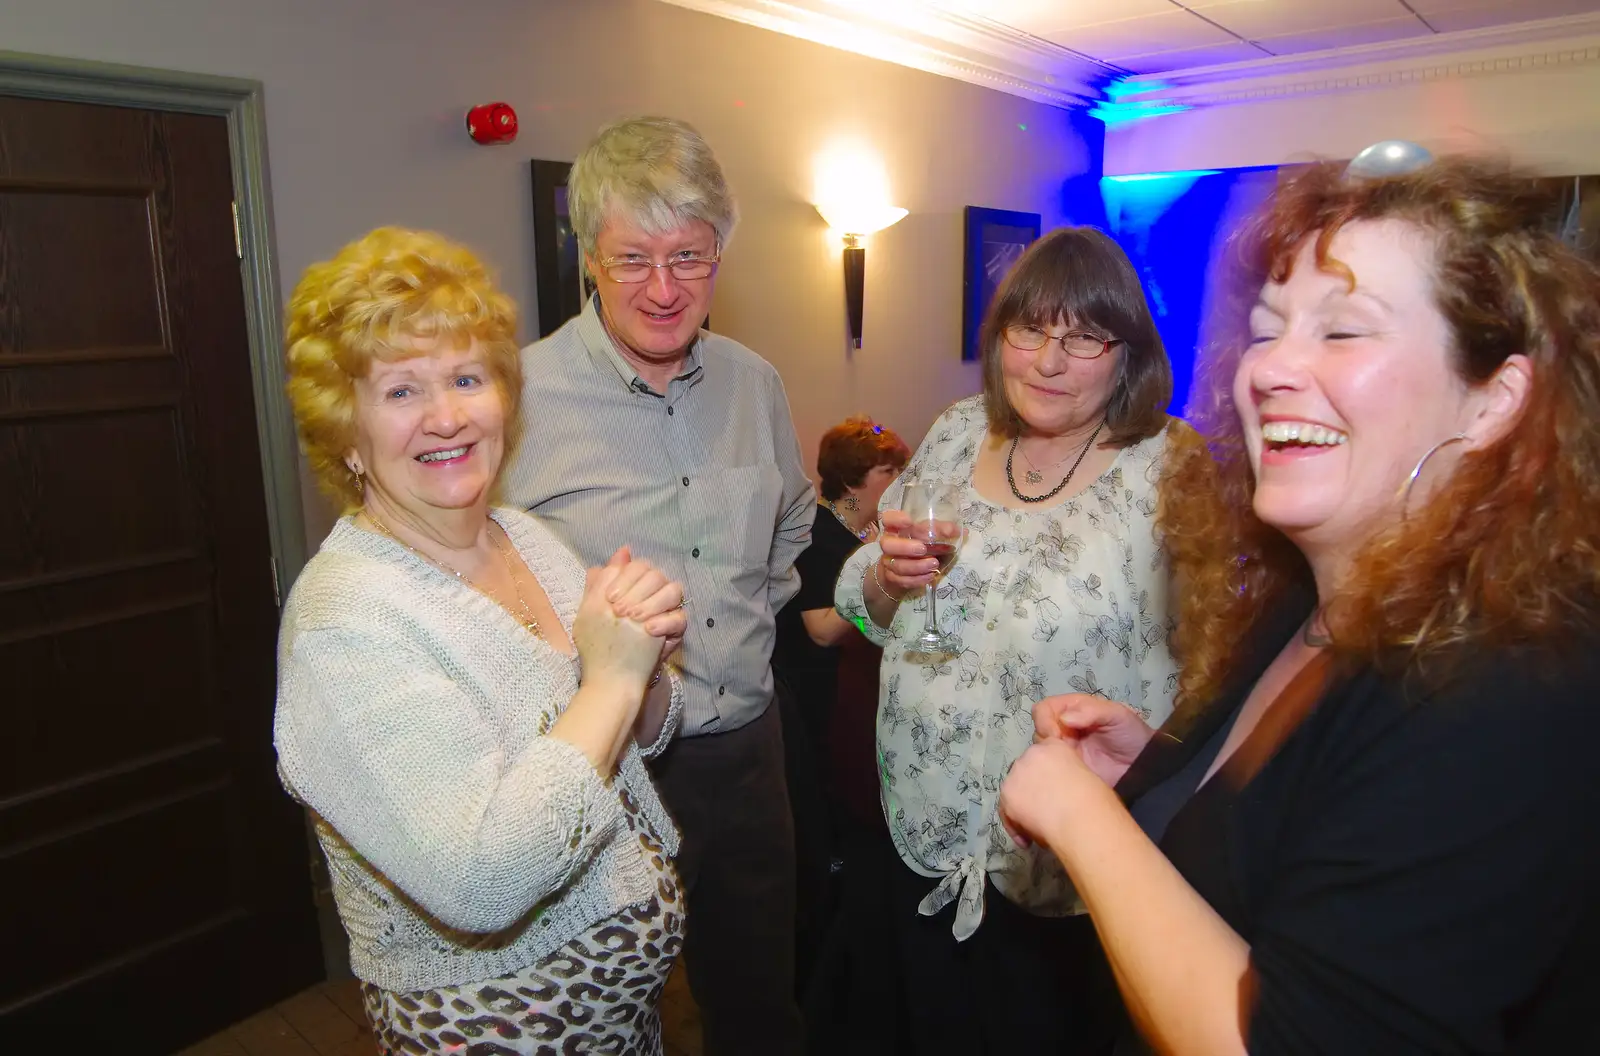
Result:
pixel 529 621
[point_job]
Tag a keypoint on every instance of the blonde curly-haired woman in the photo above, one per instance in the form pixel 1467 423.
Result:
pixel 460 706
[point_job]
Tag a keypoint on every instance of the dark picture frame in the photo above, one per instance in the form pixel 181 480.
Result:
pixel 995 239
pixel 1575 215
pixel 557 264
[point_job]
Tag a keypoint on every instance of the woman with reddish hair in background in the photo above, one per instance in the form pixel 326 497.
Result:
pixel 828 674
pixel 1372 823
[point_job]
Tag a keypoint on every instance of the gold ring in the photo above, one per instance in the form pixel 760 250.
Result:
pixel 891 564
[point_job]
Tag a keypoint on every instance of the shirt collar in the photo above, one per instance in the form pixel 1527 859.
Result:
pixel 604 351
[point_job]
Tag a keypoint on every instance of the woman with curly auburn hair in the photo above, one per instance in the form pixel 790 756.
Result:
pixel 1370 826
pixel 463 712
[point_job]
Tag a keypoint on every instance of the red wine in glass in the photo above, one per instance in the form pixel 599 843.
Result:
pixel 935 512
pixel 945 552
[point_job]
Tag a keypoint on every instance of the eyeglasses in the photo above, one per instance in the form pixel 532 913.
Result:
pixel 1075 343
pixel 686 267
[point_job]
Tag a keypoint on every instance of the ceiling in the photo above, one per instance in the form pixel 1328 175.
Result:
pixel 1186 53
pixel 1160 36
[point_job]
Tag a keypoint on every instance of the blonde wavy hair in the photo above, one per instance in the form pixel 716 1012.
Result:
pixel 377 297
pixel 1506 551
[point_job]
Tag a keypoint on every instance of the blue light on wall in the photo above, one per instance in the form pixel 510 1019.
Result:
pixel 1166 179
pixel 1171 225
pixel 1114 114
pixel 1117 109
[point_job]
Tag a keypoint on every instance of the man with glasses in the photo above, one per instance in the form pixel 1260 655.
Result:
pixel 643 430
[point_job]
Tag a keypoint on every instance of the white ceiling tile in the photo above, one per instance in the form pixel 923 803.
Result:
pixel 1165 62
pixel 1139 36
pixel 1345 36
pixel 1254 19
pixel 1504 12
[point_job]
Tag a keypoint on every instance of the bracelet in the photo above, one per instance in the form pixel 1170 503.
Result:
pixel 879 584
pixel 654 681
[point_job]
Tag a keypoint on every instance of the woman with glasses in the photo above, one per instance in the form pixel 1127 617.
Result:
pixel 1059 587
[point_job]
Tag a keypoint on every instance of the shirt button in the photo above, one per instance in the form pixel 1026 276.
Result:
pixel 669 412
pixel 710 622
pixel 686 482
pixel 990 625
pixel 721 690
pixel 695 552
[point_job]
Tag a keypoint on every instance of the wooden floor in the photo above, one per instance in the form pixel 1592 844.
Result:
pixel 328 1020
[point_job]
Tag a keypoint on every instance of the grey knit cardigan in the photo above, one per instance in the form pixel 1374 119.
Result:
pixel 462 842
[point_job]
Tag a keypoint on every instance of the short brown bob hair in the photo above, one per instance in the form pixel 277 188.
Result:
pixel 852 449
pixel 378 294
pixel 1080 277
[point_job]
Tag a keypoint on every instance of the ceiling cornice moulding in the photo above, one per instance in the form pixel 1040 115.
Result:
pixel 1543 44
pixel 930 38
pixel 927 36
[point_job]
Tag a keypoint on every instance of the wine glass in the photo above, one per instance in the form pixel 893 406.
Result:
pixel 935 513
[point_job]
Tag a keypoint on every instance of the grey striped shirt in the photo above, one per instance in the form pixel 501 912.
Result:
pixel 705 481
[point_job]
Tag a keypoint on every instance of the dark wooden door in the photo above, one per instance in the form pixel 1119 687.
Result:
pixel 153 879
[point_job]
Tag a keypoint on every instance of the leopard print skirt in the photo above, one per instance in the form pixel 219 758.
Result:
pixel 597 994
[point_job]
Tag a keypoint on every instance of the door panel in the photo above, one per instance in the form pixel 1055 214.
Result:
pixel 141 823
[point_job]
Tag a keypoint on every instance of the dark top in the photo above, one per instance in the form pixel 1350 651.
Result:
pixel 835 688
pixel 1414 870
pixel 853 778
pixel 811 670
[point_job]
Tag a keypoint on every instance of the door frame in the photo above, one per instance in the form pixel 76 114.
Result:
pixel 240 102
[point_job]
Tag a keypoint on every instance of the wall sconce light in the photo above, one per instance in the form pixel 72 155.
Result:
pixel 855 223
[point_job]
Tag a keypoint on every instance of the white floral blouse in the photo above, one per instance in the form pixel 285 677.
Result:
pixel 1066 598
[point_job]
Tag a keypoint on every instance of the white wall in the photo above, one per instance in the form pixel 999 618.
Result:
pixel 1537 110
pixel 365 102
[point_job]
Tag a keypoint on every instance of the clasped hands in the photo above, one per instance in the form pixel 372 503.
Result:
pixel 1081 744
pixel 630 620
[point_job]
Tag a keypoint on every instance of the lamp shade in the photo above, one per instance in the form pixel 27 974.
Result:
pixel 853 218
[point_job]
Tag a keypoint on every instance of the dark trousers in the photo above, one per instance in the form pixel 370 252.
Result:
pixel 854 1004
pixel 726 792
pixel 815 842
pixel 1020 984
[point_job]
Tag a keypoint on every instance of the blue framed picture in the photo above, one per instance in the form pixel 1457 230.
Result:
pixel 994 243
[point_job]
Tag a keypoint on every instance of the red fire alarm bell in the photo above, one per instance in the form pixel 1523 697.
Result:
pixel 492 123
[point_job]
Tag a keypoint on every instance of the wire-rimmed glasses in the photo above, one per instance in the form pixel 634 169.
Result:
pixel 685 267
pixel 1075 343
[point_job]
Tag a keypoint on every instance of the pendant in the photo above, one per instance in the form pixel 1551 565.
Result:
pixel 1033 476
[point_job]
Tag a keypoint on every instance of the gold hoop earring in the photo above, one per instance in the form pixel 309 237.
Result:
pixel 1416 471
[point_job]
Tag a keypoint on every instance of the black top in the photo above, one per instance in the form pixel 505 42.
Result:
pixel 811 670
pixel 1414 872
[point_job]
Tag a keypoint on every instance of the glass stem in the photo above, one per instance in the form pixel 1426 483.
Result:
pixel 931 627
